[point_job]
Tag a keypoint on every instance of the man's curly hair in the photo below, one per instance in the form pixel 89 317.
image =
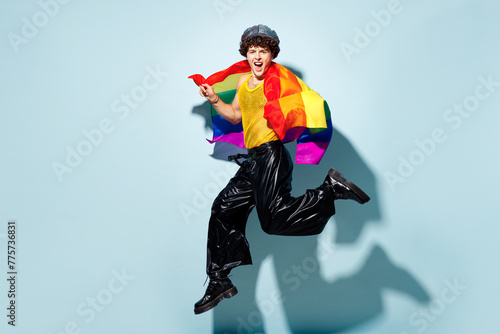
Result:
pixel 262 41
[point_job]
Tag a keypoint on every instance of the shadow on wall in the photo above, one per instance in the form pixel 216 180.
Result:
pixel 311 304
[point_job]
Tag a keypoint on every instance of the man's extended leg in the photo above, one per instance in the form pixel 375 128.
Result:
pixel 227 246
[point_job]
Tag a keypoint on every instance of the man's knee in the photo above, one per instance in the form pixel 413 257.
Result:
pixel 270 225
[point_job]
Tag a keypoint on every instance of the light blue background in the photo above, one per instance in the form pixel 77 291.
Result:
pixel 139 202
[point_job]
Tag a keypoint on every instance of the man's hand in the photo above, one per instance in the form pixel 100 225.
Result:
pixel 207 92
pixel 230 112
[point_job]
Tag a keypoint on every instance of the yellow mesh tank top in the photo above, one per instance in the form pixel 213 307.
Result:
pixel 256 129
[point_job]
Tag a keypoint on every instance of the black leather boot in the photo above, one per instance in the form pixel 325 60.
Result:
pixel 218 289
pixel 345 189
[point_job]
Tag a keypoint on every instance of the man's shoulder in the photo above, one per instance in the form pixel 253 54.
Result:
pixel 244 76
pixel 242 79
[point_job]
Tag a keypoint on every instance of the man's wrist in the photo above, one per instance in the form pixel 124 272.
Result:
pixel 215 100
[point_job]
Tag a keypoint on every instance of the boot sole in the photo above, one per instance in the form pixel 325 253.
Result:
pixel 361 196
pixel 225 295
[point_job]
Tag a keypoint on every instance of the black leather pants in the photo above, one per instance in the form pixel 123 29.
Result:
pixel 263 181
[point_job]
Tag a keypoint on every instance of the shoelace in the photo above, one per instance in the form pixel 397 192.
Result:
pixel 211 286
pixel 213 281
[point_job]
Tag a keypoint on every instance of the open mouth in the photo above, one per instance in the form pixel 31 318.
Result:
pixel 258 66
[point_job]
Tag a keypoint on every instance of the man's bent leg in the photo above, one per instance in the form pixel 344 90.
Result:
pixel 279 212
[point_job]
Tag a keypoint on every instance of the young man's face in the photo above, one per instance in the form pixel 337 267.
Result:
pixel 260 60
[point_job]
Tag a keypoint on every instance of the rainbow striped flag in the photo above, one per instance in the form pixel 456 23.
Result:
pixel 293 110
